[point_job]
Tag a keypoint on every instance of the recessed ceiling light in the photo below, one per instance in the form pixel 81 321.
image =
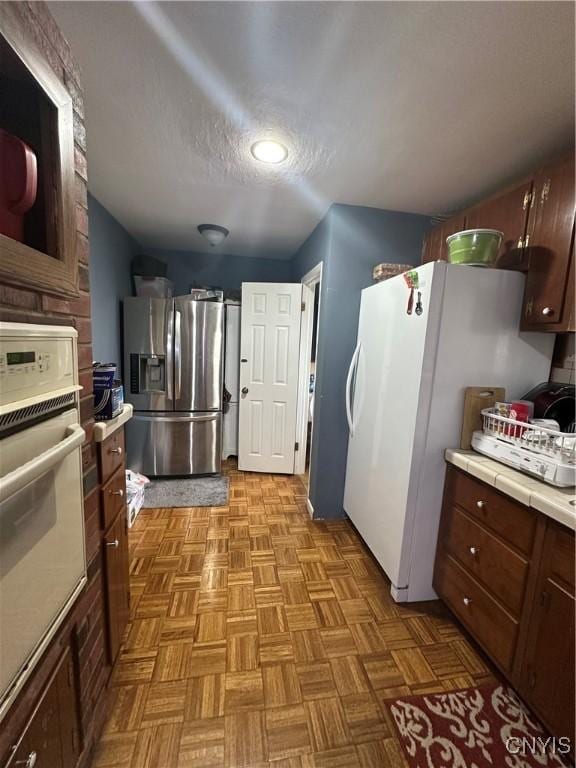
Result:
pixel 268 151
pixel 214 233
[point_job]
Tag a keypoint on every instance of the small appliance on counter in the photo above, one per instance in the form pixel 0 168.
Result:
pixel 555 401
pixel 535 435
pixel 108 392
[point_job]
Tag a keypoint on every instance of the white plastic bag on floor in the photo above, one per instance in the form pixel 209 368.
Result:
pixel 135 484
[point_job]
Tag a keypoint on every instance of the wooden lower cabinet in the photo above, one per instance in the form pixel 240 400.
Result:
pixel 115 539
pixel 51 738
pixel 547 677
pixel 507 573
pixel 116 566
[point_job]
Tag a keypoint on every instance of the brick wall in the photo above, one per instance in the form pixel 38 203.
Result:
pixel 84 629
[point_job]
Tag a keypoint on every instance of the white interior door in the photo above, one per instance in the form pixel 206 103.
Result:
pixel 269 357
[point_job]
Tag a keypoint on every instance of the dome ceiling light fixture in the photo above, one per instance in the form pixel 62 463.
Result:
pixel 214 233
pixel 269 151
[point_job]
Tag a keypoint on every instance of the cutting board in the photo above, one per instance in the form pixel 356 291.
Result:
pixel 475 400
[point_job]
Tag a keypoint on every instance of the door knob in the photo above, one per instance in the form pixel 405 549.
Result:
pixel 114 543
pixel 116 450
pixel 244 390
pixel 547 311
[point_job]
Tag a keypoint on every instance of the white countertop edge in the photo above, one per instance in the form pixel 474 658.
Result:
pixel 551 501
pixel 103 429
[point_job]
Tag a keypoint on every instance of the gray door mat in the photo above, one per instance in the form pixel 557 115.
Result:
pixel 187 492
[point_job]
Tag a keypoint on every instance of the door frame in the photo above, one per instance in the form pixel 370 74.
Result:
pixel 310 279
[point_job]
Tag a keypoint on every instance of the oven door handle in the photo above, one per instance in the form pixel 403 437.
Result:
pixel 40 465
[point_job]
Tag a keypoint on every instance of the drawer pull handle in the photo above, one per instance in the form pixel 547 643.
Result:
pixel 473 551
pixel 114 543
pixel 30 761
pixel 116 450
pixel 117 493
pixel 547 311
pixel 480 504
pixel 467 601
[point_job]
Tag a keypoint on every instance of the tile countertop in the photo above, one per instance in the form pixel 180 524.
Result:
pixel 557 503
pixel 103 429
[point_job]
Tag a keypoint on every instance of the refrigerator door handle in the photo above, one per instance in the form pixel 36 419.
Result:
pixel 357 402
pixel 177 354
pixel 170 353
pixel 349 390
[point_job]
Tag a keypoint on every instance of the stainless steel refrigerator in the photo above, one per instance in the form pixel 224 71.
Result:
pixel 173 376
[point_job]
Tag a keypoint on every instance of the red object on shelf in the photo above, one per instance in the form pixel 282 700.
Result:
pixel 18 184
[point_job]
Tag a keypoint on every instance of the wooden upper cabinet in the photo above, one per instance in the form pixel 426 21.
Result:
pixel 507 212
pixel 550 232
pixel 434 246
pixel 430 245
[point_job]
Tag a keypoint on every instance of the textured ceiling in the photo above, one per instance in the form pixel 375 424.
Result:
pixel 417 107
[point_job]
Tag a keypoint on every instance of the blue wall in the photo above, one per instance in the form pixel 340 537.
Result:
pixel 111 250
pixel 220 270
pixel 350 241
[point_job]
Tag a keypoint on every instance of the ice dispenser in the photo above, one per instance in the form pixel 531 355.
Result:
pixel 147 373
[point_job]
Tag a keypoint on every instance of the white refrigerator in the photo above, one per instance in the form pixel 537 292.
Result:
pixel 404 401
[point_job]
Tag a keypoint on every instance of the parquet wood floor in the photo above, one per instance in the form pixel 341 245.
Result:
pixel 261 638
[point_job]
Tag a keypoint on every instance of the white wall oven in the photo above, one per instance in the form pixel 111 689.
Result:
pixel 42 551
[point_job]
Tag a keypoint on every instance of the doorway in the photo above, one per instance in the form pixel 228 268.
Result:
pixel 308 368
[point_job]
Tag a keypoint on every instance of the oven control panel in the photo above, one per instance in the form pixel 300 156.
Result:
pixel 30 367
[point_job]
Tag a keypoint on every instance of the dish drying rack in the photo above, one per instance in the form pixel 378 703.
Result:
pixel 544 453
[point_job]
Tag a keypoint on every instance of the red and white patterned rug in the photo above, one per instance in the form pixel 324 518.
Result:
pixel 474 728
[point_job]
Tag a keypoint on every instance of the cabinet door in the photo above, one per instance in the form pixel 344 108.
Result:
pixel 551 231
pixel 548 669
pixel 41 745
pixel 508 213
pixel 430 247
pixel 117 584
pixel 450 227
pixel 434 245
pixel 51 738
pixel 68 706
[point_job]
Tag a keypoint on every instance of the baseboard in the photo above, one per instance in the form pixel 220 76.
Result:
pixel 310 508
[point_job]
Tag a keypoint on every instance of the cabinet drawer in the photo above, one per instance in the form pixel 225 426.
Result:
pixel 498 567
pixel 113 497
pixel 513 522
pixel 494 629
pixel 111 454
